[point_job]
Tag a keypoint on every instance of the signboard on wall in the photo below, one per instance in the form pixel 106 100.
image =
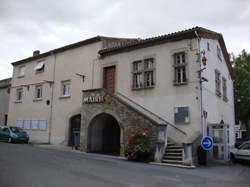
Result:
pixel 93 99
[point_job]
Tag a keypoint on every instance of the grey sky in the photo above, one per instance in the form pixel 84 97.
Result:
pixel 27 25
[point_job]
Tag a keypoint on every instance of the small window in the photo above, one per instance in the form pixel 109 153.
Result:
pixel 34 125
pixel 38 92
pixel 181 115
pixel 208 46
pixel 143 73
pixel 180 68
pixel 224 89
pixel 65 88
pixel 19 94
pixel 26 124
pixel 20 71
pixel 219 53
pixel 217 83
pixel 40 67
pixel 20 123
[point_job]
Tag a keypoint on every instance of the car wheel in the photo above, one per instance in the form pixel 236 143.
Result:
pixel 232 158
pixel 10 140
pixel 26 141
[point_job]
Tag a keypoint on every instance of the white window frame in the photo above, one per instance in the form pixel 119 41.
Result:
pixel 19 98
pixel 65 88
pixel 217 83
pixel 143 73
pixel 180 68
pixel 20 71
pixel 224 89
pixel 219 53
pixel 40 66
pixel 187 118
pixel 37 94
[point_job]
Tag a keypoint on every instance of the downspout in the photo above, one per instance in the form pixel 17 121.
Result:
pixel 52 98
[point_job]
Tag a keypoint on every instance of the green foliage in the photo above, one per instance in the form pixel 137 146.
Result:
pixel 138 148
pixel 241 65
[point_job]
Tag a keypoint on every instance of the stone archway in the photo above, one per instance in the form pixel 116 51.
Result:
pixel 104 135
pixel 74 125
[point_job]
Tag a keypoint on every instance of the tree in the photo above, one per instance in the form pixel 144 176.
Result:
pixel 241 66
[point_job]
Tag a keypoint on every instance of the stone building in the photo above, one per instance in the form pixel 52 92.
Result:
pixel 176 88
pixel 5 85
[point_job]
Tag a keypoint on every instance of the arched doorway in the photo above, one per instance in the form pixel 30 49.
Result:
pixel 74 125
pixel 104 135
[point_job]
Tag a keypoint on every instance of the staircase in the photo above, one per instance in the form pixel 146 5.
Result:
pixel 173 154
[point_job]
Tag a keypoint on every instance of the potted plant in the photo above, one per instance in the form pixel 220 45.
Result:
pixel 138 148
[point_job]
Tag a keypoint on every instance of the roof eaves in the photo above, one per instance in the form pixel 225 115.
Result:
pixel 61 49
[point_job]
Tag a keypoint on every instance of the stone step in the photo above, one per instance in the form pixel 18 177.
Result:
pixel 174 147
pixel 172 157
pixel 173 151
pixel 172 161
pixel 173 154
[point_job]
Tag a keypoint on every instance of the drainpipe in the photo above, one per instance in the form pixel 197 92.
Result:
pixel 93 71
pixel 52 97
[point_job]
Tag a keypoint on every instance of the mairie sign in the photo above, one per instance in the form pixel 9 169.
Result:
pixel 207 142
pixel 93 99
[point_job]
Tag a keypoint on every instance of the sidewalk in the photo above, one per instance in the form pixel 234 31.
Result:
pixel 69 149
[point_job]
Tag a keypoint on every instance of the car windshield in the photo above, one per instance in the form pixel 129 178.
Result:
pixel 245 146
pixel 16 129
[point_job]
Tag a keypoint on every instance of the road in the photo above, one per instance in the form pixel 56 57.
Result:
pixel 31 166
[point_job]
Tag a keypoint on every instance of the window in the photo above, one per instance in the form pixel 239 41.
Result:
pixel 65 88
pixel 217 83
pixel 40 67
pixel 143 73
pixel 20 71
pixel 224 89
pixel 208 46
pixel 219 53
pixel 19 123
pixel 180 68
pixel 32 124
pixel 26 124
pixel 19 94
pixel 38 92
pixel 181 115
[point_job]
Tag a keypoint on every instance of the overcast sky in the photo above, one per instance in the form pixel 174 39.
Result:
pixel 28 25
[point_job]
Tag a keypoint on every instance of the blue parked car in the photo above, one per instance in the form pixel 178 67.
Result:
pixel 13 134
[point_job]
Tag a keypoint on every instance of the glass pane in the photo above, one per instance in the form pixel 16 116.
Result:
pixel 218 152
pixel 218 136
pixel 148 63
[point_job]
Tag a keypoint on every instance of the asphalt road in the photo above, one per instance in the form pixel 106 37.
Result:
pixel 30 166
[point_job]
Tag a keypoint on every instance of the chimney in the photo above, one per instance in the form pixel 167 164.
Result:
pixel 36 53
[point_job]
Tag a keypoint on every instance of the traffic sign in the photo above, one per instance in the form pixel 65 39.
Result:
pixel 207 142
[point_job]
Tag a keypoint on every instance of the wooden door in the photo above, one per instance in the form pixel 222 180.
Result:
pixel 109 78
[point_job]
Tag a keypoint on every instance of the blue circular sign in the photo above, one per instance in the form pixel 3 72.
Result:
pixel 207 142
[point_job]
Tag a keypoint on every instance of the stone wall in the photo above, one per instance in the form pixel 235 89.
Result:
pixel 131 121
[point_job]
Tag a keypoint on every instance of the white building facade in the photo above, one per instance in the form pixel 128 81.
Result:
pixel 161 75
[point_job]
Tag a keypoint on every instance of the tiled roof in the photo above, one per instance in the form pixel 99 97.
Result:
pixel 176 36
pixel 72 46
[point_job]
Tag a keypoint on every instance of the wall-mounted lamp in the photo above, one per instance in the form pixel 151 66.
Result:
pixel 203 59
pixel 27 86
pixel 50 82
pixel 82 76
